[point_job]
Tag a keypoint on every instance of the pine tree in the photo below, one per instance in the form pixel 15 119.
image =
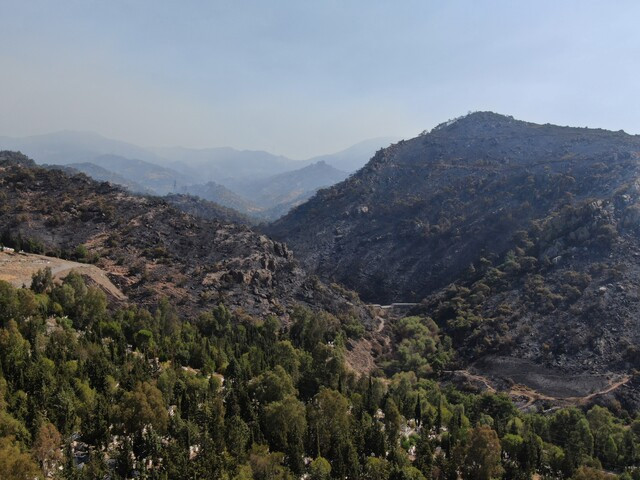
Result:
pixel 418 412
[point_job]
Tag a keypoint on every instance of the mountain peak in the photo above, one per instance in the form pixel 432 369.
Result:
pixel 15 158
pixel 484 120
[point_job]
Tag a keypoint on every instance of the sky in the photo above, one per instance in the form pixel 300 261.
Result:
pixel 302 78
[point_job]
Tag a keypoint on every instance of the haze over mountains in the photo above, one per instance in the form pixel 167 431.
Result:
pixel 261 283
pixel 256 183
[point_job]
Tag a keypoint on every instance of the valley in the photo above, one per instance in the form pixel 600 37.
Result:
pixel 263 241
pixel 457 279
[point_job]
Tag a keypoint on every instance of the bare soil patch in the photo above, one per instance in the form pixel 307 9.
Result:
pixel 18 268
pixel 529 383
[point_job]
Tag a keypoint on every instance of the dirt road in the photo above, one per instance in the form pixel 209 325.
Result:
pixel 17 269
pixel 531 396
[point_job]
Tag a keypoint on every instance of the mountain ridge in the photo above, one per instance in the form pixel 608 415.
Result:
pixel 410 174
pixel 519 239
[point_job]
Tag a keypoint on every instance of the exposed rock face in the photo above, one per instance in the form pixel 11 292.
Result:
pixel 421 211
pixel 151 250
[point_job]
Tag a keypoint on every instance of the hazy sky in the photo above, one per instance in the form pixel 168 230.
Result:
pixel 303 77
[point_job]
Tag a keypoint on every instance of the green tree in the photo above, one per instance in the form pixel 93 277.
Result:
pixel 320 469
pixel 482 455
pixel 587 473
pixel 237 437
pixel 377 468
pixel 9 305
pixel 392 421
pixel 580 444
pixel 42 280
pixel 409 472
pixel 601 425
pixel 286 355
pixel 285 426
pixel 424 452
pixel 14 353
pixel 16 464
pixel 47 447
pixel 329 417
pixel 610 453
pixel 271 386
pixel 330 430
pixel 266 465
pixel 143 406
pixel 11 427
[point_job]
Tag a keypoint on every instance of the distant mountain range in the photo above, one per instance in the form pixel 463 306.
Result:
pixel 102 175
pixel 215 192
pixel 279 193
pixel 256 183
pixel 74 147
pixel 221 164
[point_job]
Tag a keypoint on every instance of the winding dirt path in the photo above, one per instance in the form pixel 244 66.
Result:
pixel 614 386
pixel 533 396
pixel 473 377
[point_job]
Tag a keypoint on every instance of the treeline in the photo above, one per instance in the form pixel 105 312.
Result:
pixel 89 393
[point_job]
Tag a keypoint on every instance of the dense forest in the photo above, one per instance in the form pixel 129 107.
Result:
pixel 91 391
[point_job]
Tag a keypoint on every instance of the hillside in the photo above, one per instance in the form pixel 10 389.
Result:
pixel 277 194
pixel 217 193
pixel 423 210
pixel 521 237
pixel 160 180
pixel 152 250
